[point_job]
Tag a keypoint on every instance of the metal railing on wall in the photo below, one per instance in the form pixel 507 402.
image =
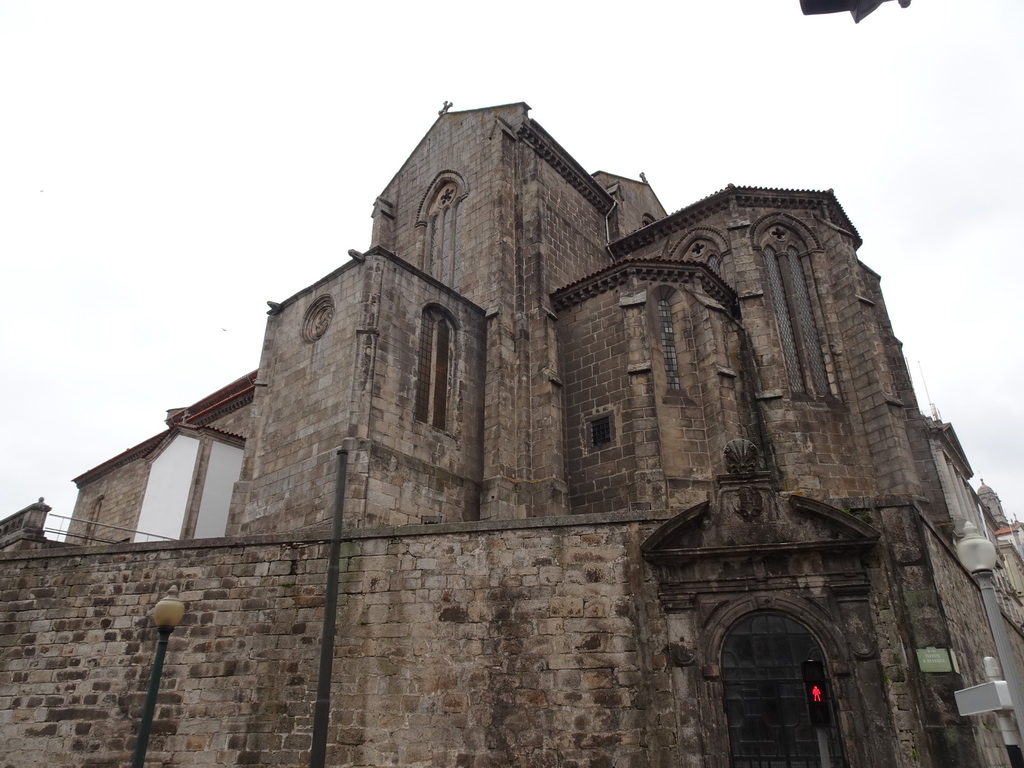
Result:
pixel 91 535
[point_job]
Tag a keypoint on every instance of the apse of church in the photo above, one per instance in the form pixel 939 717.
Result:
pixel 611 374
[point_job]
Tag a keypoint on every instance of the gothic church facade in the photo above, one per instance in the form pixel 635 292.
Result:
pixel 612 475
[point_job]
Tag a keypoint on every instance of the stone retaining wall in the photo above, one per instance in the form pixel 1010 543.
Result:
pixel 457 646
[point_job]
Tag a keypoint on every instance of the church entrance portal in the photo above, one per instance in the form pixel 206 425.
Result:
pixel 763 683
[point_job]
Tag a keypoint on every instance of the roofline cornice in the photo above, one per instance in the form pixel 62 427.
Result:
pixel 225 400
pixel 554 155
pixel 139 451
pixel 220 435
pixel 947 436
pixel 649 270
pixel 229 405
pixel 222 402
pixel 148 447
pixel 749 197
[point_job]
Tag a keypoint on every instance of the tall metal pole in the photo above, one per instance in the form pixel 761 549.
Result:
pixel 139 758
pixel 322 710
pixel 1007 725
pixel 1003 648
pixel 826 762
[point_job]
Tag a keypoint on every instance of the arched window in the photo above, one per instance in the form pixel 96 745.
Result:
pixel 434 377
pixel 667 334
pixel 801 343
pixel 762 677
pixel 442 240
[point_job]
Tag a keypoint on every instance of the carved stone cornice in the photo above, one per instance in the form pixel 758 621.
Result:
pixel 139 451
pixel 222 409
pixel 553 154
pixel 228 399
pixel 745 197
pixel 648 270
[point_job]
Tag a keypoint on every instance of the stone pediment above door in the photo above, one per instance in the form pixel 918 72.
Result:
pixel 749 515
pixel 749 536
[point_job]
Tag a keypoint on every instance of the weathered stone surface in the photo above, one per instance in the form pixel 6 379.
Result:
pixel 585 440
pixel 471 652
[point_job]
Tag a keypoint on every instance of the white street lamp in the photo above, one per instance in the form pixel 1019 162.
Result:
pixel 978 555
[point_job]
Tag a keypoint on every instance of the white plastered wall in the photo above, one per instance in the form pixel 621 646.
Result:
pixel 167 491
pixel 221 475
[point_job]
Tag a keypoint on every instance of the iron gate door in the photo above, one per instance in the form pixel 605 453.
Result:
pixel 762 678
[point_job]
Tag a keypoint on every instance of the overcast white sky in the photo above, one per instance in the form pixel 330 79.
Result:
pixel 165 168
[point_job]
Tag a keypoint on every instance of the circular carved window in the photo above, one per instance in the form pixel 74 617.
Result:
pixel 318 318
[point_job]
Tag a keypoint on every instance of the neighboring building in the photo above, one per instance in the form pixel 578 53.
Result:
pixel 176 484
pixel 611 474
pixel 1010 541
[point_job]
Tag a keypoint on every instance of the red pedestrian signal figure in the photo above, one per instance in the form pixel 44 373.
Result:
pixel 816 694
pixel 817 703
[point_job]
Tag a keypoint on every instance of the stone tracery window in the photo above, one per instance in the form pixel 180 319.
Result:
pixel 442 249
pixel 434 377
pixel 791 298
pixel 706 252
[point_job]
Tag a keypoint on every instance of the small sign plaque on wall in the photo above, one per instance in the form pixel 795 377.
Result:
pixel 937 660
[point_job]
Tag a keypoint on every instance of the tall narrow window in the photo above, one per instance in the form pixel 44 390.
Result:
pixel 442 244
pixel 801 343
pixel 433 380
pixel 668 344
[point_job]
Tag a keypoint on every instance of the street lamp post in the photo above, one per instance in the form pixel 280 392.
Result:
pixel 166 615
pixel 978 555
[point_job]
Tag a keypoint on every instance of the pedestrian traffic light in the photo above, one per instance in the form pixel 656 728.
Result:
pixel 816 694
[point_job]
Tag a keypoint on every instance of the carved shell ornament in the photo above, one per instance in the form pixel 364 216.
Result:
pixel 318 318
pixel 741 456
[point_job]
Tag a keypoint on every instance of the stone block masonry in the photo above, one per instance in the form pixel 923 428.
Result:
pixel 472 644
pixel 591 447
pixel 482 644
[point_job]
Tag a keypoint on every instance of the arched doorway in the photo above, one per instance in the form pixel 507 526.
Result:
pixel 763 684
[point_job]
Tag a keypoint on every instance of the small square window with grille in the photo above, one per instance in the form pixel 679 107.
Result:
pixel 601 431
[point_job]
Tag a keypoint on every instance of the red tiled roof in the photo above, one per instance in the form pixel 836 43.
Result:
pixel 197 416
pixel 205 410
pixel 139 451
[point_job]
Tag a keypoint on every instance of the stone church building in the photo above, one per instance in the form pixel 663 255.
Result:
pixel 607 477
